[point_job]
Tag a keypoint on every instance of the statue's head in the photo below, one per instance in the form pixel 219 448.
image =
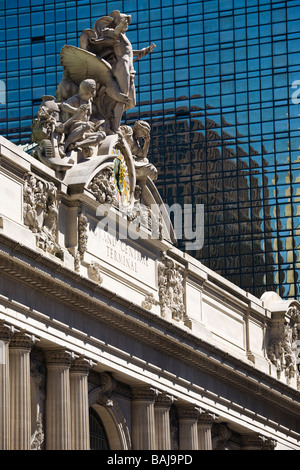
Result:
pixel 141 129
pixel 118 17
pixel 88 88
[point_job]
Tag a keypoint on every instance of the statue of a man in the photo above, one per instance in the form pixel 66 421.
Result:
pixel 108 40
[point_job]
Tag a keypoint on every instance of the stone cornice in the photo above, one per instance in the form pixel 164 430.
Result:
pixel 52 278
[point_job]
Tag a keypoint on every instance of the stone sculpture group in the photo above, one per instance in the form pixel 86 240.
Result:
pixel 97 87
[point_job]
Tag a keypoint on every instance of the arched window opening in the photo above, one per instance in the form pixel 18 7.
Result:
pixel 98 437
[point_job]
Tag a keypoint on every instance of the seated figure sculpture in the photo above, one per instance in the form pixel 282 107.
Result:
pixel 81 133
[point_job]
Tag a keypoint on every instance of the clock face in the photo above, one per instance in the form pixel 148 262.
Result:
pixel 121 177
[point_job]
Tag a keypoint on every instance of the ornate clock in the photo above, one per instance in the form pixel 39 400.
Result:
pixel 121 177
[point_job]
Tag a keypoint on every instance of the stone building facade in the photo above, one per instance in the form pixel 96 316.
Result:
pixel 111 338
pixel 131 334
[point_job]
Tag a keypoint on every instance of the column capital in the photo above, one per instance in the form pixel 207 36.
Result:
pixel 22 340
pixel 259 442
pixel 6 331
pixel 55 357
pixel 82 365
pixel 164 400
pixel 144 393
pixel 190 412
pixel 206 418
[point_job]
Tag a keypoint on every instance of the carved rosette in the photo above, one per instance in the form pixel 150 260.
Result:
pixel 283 350
pixel 40 211
pixel 171 289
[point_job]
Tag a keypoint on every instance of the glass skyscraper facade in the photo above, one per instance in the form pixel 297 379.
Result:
pixel 220 91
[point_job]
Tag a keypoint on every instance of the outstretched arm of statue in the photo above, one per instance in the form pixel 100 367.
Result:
pixel 143 52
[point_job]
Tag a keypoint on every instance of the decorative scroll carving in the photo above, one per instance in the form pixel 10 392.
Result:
pixel 41 212
pixel 107 387
pixel 171 289
pixel 283 350
pixel 223 434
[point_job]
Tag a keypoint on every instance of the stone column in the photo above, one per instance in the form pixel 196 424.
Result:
pixel 20 396
pixel 6 333
pixel 205 423
pixel 143 420
pixel 58 413
pixel 162 421
pixel 188 416
pixel 80 428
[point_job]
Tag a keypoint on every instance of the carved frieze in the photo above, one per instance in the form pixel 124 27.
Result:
pixel 171 289
pixel 283 349
pixel 40 211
